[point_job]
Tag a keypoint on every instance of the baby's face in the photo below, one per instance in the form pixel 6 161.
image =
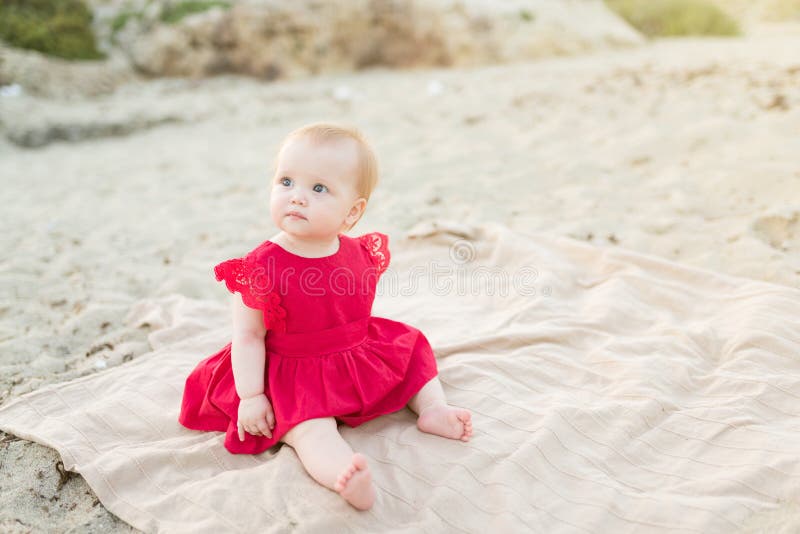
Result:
pixel 317 180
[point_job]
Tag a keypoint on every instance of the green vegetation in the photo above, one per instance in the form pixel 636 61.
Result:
pixel 57 27
pixel 658 18
pixel 121 20
pixel 174 12
pixel 527 15
pixel 767 10
pixel 782 10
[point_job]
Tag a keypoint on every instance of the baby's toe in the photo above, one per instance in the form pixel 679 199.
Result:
pixel 359 462
pixel 341 482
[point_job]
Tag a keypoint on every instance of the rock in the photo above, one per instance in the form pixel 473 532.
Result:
pixel 40 75
pixel 33 122
pixel 270 39
pixel 37 135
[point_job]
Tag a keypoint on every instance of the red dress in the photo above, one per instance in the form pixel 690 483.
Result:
pixel 326 355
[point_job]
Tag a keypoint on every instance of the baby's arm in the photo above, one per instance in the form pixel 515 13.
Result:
pixel 247 348
pixel 248 360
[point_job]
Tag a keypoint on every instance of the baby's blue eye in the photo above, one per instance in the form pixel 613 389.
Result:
pixel 320 185
pixel 284 180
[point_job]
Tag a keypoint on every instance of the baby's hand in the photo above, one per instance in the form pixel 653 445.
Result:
pixel 255 416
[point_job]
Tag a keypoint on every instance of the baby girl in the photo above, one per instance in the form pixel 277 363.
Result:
pixel 306 352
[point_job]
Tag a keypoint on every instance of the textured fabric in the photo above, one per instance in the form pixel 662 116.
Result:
pixel 250 280
pixel 377 245
pixel 360 368
pixel 611 391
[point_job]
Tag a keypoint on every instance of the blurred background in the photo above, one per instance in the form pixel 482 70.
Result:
pixel 136 139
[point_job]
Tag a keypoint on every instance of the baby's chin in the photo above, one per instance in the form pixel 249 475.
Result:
pixel 304 228
pixel 295 226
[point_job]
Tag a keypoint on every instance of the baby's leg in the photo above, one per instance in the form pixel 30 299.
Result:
pixel 330 460
pixel 436 416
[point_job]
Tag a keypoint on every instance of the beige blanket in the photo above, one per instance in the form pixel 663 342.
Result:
pixel 610 391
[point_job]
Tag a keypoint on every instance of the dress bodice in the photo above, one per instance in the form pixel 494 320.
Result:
pixel 298 294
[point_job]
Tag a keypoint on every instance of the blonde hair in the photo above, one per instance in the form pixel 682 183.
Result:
pixel 367 179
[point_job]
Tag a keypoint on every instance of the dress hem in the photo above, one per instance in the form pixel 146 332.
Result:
pixel 259 444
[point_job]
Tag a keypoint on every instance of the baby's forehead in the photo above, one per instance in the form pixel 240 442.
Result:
pixel 337 154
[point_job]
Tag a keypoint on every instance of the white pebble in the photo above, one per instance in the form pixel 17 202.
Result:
pixel 435 87
pixel 12 90
pixel 343 93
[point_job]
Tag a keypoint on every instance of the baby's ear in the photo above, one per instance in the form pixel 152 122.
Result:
pixel 357 211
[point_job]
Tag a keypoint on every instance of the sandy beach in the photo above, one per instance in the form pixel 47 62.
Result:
pixel 683 148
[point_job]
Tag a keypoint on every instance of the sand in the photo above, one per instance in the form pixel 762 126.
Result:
pixel 685 148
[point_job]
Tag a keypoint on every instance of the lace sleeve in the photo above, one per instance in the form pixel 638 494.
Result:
pixel 377 245
pixel 256 288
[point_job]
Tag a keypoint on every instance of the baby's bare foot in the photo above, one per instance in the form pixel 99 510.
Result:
pixel 444 420
pixel 355 483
